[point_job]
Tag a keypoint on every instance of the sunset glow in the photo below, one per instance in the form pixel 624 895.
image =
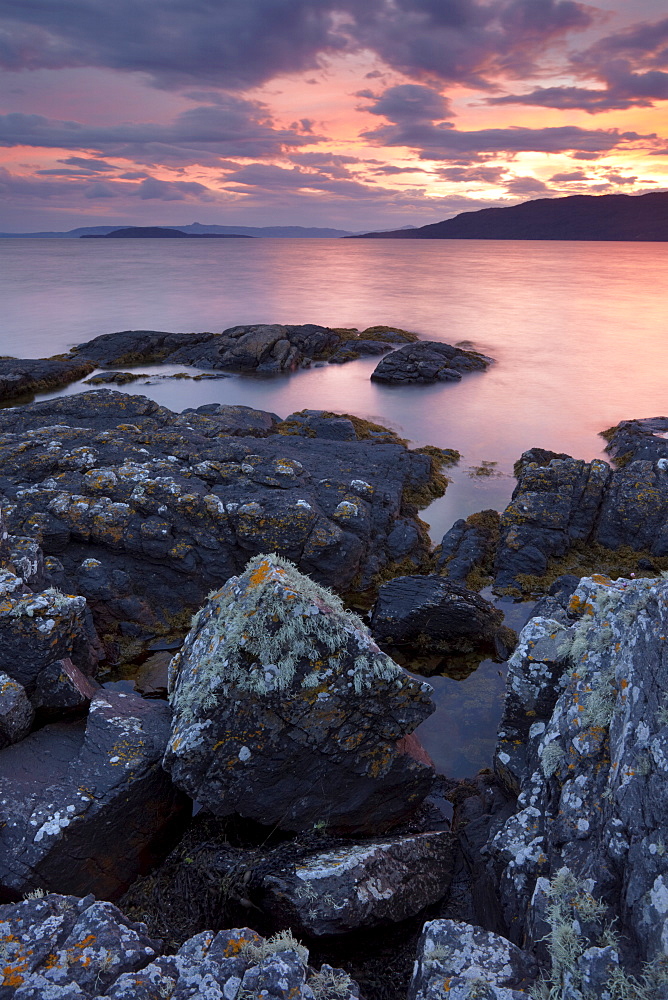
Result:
pixel 356 114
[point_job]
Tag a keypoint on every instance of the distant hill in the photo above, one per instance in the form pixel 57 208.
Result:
pixel 636 218
pixel 194 229
pixel 156 233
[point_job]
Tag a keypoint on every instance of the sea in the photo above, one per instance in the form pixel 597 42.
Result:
pixel 578 333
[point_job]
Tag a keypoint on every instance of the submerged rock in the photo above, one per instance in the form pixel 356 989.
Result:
pixel 585 740
pixel 457 961
pixel 285 711
pixel 428 361
pixel 362 885
pixel 83 805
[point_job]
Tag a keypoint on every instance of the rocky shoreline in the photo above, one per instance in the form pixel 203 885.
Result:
pixel 286 724
pixel 262 349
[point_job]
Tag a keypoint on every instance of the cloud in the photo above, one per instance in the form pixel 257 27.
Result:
pixel 526 186
pixel 472 175
pixel 409 102
pixel 202 134
pixel 220 43
pixel 150 188
pixel 630 65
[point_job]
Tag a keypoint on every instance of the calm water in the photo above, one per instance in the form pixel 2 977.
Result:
pixel 577 331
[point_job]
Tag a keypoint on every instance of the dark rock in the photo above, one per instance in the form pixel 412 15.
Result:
pixel 286 712
pixel 58 942
pixel 427 614
pixel 428 361
pixel 152 677
pixel 361 885
pixel 586 710
pixel 265 348
pixel 568 503
pixel 26 559
pixel 469 545
pixel 113 378
pixel 638 440
pixel 38 629
pixel 458 962
pixel 84 804
pixel 16 712
pixel 147 510
pixel 20 376
pixel 61 688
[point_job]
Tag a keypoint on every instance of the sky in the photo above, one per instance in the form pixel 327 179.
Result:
pixel 355 114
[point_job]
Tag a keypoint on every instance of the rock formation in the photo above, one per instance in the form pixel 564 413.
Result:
pixel 428 361
pixel 285 710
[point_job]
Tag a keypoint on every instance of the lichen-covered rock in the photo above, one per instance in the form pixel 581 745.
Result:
pixel 52 944
pixel 36 630
pixel 566 503
pixel 147 510
pixel 638 440
pixel 286 711
pixel 362 885
pixel 62 948
pixel 16 712
pixel 585 739
pixel 428 361
pixel 83 805
pixel 430 615
pixel 467 546
pixel 456 961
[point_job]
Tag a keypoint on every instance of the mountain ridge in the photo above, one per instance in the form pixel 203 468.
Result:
pixel 610 217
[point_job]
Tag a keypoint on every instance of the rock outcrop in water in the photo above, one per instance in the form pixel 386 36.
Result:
pixel 426 362
pixel 143 511
pixel 24 376
pixel 265 348
pixel 286 712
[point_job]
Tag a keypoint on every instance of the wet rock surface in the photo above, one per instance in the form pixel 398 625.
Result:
pixel 62 947
pixel 20 376
pixel 361 885
pixel 422 615
pixel 457 961
pixel 286 712
pixel 264 348
pixel 146 510
pixel 84 805
pixel 428 361
pixel 585 740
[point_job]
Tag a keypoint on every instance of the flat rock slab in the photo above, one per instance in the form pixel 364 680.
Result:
pixel 148 510
pixel 362 885
pixel 458 960
pixel 19 376
pixel 428 361
pixel 83 804
pixel 286 711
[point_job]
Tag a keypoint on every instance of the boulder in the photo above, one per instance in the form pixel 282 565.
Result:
pixel 468 548
pixel 428 361
pixel 23 376
pixel 16 712
pixel 285 710
pixel 55 944
pixel 147 510
pixel 427 615
pixel 457 961
pixel 38 633
pixel 585 740
pixel 638 441
pixel 84 805
pixel 361 885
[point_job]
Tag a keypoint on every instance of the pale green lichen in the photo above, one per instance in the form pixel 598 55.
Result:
pixel 268 629
pixel 282 941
